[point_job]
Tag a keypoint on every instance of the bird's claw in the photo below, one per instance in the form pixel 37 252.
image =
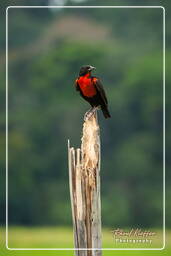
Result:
pixel 89 113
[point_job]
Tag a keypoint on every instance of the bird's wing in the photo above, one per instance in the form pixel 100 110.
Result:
pixel 77 85
pixel 100 89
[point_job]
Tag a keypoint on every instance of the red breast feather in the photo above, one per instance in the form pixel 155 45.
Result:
pixel 87 86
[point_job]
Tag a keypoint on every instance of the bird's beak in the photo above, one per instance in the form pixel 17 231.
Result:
pixel 91 68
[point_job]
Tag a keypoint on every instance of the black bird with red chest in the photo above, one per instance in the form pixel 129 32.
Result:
pixel 91 89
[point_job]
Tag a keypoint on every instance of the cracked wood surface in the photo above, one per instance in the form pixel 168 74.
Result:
pixel 84 181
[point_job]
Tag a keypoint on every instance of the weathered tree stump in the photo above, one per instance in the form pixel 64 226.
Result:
pixel 84 181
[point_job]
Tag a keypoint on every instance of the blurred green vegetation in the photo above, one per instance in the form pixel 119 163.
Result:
pixel 46 50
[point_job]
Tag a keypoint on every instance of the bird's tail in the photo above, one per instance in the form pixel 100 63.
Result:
pixel 105 112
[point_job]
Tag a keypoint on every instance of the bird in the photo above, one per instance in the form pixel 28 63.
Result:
pixel 91 90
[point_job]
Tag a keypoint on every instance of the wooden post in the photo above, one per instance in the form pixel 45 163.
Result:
pixel 84 181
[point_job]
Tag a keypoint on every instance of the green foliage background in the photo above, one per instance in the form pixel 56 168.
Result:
pixel 45 55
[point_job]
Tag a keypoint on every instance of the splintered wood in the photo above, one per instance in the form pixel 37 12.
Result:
pixel 84 181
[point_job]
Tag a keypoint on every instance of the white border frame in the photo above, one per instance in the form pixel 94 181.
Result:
pixel 164 209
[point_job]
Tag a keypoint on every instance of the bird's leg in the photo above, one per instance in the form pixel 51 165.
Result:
pixel 89 113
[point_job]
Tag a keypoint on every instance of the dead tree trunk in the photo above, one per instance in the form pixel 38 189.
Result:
pixel 84 181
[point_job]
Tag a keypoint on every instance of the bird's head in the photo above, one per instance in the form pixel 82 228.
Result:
pixel 86 70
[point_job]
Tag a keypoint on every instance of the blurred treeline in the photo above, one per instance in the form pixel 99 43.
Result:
pixel 46 49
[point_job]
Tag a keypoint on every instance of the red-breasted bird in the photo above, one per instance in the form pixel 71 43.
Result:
pixel 91 89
